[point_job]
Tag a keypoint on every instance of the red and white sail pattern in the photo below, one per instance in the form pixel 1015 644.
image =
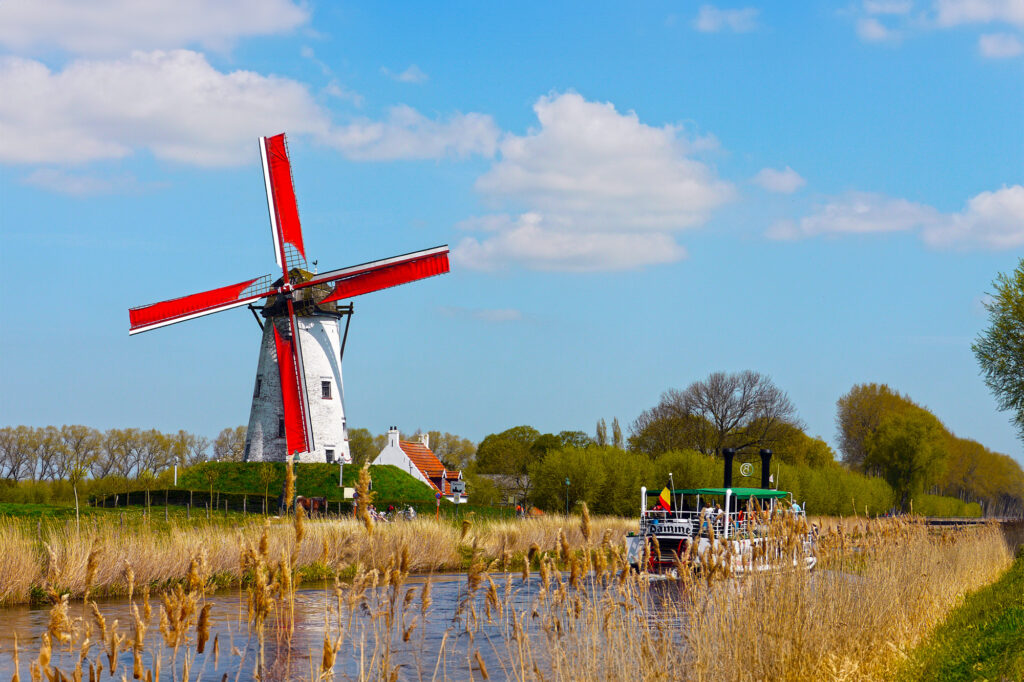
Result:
pixel 284 211
pixel 290 252
pixel 156 315
pixel 382 274
pixel 298 427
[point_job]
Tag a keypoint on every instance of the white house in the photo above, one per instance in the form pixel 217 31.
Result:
pixel 421 463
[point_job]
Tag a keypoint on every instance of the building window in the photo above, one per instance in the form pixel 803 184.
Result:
pixel 330 455
pixel 280 427
pixel 325 390
pixel 259 387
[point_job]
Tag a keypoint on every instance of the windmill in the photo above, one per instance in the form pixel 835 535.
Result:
pixel 302 344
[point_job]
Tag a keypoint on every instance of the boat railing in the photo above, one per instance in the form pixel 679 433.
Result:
pixel 738 524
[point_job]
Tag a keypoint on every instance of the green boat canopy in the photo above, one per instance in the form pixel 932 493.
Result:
pixel 739 493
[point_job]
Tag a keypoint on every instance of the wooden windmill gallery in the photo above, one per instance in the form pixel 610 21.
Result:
pixel 298 405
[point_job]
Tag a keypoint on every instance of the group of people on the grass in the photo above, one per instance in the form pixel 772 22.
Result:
pixel 392 513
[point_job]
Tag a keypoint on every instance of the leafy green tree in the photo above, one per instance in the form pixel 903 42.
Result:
pixel 662 429
pixel 508 452
pixel 793 446
pixel 625 472
pixel 1000 348
pixel 362 447
pixel 267 475
pixel 575 439
pixel 617 435
pixel 455 451
pixel 858 414
pixel 507 458
pixel 601 435
pixel 586 481
pixel 909 451
pixel 543 444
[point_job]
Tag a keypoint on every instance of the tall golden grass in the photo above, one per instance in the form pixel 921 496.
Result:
pixel 581 614
pixel 60 557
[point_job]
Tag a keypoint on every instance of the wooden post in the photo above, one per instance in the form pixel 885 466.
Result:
pixel 208 510
pixel 245 499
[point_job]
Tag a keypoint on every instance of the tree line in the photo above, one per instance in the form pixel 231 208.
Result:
pixel 895 453
pixel 75 452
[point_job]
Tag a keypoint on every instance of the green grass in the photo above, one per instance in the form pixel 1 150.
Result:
pixel 983 639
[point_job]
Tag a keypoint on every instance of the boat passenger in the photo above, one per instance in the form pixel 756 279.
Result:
pixel 706 516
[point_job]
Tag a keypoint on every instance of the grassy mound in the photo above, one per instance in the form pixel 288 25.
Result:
pixel 311 480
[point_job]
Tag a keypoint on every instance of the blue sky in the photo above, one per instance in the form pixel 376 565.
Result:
pixel 636 195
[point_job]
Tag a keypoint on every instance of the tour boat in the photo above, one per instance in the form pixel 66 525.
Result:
pixel 730 529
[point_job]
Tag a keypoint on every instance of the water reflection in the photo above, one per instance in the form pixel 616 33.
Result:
pixel 420 641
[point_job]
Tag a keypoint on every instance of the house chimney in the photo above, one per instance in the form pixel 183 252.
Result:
pixel 728 454
pixel 766 467
pixel 393 437
pixel 425 440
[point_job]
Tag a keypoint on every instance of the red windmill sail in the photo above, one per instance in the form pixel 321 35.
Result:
pixel 290 252
pixel 284 211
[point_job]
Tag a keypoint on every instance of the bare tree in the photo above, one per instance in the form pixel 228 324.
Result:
pixel 49 453
pixel 740 410
pixel 230 445
pixel 197 448
pixel 18 456
pixel 81 448
pixel 154 451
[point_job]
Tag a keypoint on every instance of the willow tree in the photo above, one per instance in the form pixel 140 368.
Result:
pixel 1000 348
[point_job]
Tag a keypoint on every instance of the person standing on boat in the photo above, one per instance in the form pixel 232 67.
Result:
pixel 707 515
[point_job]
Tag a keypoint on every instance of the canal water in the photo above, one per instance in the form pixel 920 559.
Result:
pixel 237 650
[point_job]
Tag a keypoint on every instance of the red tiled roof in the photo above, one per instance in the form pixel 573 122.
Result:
pixel 423 458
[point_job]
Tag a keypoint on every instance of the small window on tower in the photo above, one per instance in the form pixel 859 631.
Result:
pixel 325 390
pixel 330 455
pixel 280 427
pixel 259 387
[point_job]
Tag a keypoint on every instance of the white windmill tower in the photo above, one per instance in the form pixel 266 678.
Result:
pixel 298 399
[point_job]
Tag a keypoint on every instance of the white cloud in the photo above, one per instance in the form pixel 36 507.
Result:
pixel 413 74
pixel 176 106
pixel 529 241
pixel 408 134
pixel 173 104
pixel 991 220
pixel 956 12
pixel 483 314
pixel 710 19
pixel 118 26
pixel 592 167
pixel 873 31
pixel 600 189
pixel 1000 45
pixel 783 181
pixel 81 185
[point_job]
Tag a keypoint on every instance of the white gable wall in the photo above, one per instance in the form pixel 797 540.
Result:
pixel 394 455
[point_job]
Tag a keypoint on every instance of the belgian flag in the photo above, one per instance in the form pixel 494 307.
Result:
pixel 665 499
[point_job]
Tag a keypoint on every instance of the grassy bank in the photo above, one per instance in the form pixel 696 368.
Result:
pixel 982 639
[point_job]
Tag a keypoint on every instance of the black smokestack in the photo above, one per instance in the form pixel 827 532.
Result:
pixel 728 454
pixel 766 467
